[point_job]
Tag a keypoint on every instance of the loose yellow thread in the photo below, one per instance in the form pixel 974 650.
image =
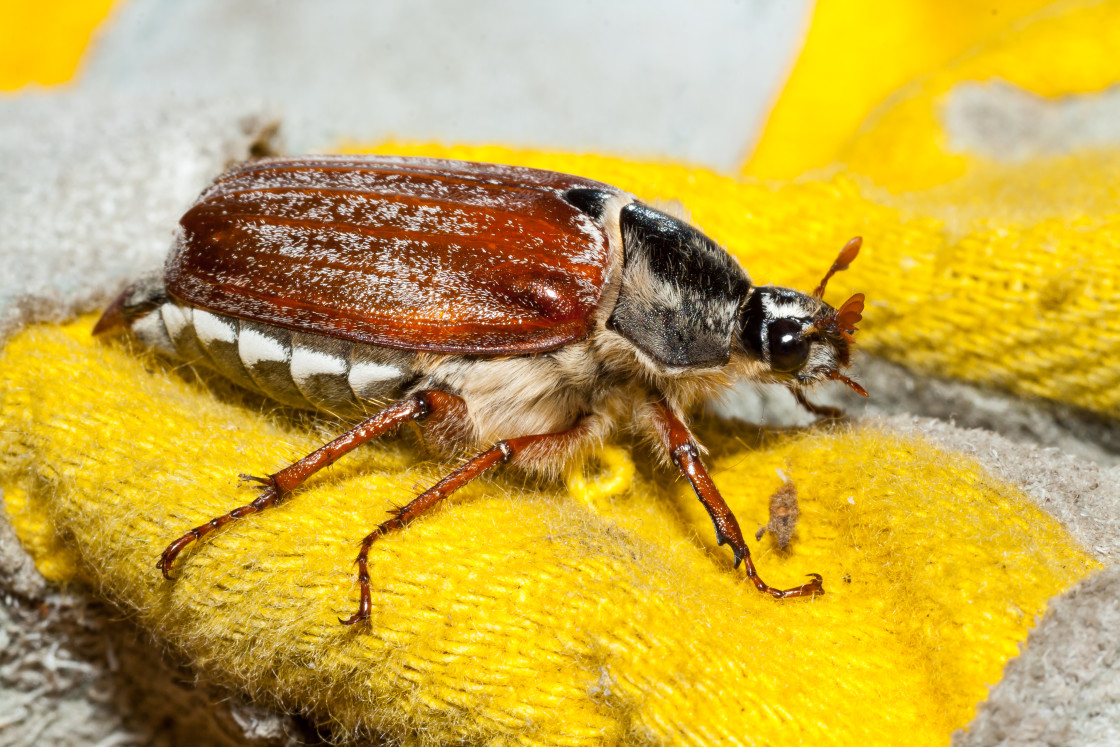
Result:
pixel 616 476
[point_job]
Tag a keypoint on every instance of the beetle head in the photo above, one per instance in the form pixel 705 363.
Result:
pixel 799 339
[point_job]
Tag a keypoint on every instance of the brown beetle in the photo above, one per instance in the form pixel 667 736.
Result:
pixel 521 311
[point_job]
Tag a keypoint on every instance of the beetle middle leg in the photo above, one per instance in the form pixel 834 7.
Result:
pixel 277 486
pixel 678 442
pixel 540 447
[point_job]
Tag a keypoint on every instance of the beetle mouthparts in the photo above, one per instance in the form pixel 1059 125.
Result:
pixel 853 385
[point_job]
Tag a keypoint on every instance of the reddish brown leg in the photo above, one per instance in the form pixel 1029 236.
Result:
pixel 821 411
pixel 279 485
pixel 528 447
pixel 678 442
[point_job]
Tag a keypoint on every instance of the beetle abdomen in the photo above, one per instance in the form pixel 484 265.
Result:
pixel 302 370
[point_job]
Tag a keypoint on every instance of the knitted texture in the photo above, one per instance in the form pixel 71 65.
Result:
pixel 1018 285
pixel 602 611
pixel 513 614
pixel 1069 48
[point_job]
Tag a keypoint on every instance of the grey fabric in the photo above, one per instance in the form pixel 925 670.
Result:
pixel 90 192
pixel 1063 690
pixel 632 77
pixel 92 187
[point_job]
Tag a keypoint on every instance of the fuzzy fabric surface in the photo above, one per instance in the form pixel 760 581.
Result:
pixel 93 187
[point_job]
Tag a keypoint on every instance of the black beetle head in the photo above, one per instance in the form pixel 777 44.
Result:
pixel 798 338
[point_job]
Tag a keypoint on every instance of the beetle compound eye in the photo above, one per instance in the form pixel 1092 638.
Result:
pixel 788 349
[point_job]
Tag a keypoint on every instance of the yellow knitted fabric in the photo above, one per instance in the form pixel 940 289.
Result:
pixel 513 614
pixel 1070 48
pixel 1019 286
pixel 1005 274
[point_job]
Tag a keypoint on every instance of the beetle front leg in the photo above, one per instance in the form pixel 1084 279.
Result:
pixel 678 442
pixel 277 486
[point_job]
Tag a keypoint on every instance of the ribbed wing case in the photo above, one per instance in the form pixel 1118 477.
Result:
pixel 411 253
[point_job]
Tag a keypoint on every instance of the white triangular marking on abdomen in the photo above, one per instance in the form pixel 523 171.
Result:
pixel 256 347
pixel 175 318
pixel 307 362
pixel 365 376
pixel 212 328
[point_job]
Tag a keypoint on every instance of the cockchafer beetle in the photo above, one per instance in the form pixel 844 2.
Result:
pixel 523 311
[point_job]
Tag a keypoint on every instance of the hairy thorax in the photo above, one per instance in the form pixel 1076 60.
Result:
pixel 569 389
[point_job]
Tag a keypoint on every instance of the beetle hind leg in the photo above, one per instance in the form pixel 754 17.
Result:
pixel 268 498
pixel 276 487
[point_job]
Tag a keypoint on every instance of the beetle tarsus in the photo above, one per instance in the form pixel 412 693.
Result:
pixel 499 453
pixel 811 589
pixel 492 457
pixel 357 617
pixel 269 497
pixel 167 557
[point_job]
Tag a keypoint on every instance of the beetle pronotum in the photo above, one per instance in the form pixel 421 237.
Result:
pixel 513 310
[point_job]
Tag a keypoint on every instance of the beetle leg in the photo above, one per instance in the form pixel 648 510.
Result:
pixel 527 447
pixel 682 449
pixel 276 487
pixel 821 411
